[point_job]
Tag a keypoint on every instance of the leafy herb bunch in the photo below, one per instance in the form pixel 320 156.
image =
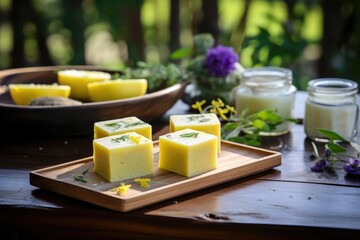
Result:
pixel 335 152
pixel 158 75
pixel 241 128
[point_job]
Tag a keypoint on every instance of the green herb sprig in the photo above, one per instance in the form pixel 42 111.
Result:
pixel 158 75
pixel 194 117
pixel 123 124
pixel 81 178
pixel 242 128
pixel 134 124
pixel 115 125
pixel 189 135
pixel 120 139
pixel 335 152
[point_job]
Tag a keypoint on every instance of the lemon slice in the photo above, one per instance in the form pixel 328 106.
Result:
pixel 78 81
pixel 117 89
pixel 23 94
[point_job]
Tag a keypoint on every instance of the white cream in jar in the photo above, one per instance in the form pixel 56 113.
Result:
pixel 267 88
pixel 331 105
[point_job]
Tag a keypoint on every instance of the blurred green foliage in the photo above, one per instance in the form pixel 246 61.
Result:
pixel 290 33
pixel 158 75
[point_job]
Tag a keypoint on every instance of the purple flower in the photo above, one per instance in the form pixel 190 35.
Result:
pixel 352 166
pixel 327 152
pixel 220 61
pixel 320 165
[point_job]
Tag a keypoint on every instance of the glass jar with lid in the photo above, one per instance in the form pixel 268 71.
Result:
pixel 267 88
pixel 331 105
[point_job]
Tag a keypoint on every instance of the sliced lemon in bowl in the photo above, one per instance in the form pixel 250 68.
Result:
pixel 78 81
pixel 117 89
pixel 23 94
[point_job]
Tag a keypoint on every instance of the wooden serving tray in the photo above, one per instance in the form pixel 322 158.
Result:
pixel 235 161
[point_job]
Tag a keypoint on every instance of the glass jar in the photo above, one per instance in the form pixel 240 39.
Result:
pixel 267 88
pixel 332 105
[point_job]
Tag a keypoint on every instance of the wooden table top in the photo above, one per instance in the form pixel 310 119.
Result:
pixel 287 202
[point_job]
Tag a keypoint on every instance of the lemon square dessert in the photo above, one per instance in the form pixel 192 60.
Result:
pixel 123 156
pixel 122 125
pixel 208 123
pixel 188 152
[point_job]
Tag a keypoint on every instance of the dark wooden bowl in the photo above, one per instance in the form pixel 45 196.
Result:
pixel 74 120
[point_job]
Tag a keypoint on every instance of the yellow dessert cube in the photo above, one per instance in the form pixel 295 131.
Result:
pixel 122 125
pixel 208 123
pixel 188 152
pixel 123 156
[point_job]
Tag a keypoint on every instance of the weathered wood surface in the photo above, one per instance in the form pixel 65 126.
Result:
pixel 288 202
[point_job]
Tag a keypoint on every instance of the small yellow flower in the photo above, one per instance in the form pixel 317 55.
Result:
pixel 144 182
pixel 122 189
pixel 214 110
pixel 217 103
pixel 198 105
pixel 135 139
pixel 222 112
pixel 231 109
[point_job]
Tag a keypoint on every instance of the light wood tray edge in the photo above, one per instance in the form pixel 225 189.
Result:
pixel 37 179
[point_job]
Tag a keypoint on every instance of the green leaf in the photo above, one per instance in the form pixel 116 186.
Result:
pixel 293 120
pixel 335 148
pixel 331 135
pixel 181 53
pixel 253 143
pixel 263 32
pixel 252 137
pixel 120 139
pixel 260 124
pixel 85 171
pixel 80 178
pixel 243 113
pixel 230 126
pixel 243 140
pixel 189 135
pixel 269 115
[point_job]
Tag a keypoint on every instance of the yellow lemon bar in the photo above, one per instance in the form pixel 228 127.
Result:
pixel 123 156
pixel 208 123
pixel 116 89
pixel 122 125
pixel 188 152
pixel 23 94
pixel 78 81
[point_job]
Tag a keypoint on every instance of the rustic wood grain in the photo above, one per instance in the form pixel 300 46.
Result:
pixel 287 202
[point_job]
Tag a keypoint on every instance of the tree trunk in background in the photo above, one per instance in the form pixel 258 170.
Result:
pixel 135 41
pixel 331 40
pixel 174 26
pixel 74 20
pixel 44 58
pixel 210 18
pixel 17 21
